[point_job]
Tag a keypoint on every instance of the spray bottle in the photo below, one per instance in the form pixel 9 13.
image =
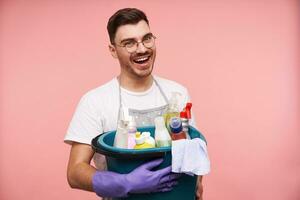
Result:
pixel 185 115
pixel 185 123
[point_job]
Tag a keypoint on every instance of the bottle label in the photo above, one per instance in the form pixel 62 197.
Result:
pixel 178 136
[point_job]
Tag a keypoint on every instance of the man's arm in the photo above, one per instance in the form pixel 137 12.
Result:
pixel 80 172
pixel 143 179
pixel 199 189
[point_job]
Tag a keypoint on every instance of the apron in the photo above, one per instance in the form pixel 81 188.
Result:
pixel 145 117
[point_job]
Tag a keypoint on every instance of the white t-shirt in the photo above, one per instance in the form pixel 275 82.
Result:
pixel 97 111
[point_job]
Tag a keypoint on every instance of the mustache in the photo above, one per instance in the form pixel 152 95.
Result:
pixel 136 55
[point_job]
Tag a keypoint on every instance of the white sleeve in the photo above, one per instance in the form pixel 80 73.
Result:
pixel 85 124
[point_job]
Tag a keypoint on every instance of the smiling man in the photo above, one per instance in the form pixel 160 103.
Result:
pixel 144 95
pixel 139 44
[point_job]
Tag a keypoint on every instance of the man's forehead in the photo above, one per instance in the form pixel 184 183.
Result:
pixel 132 31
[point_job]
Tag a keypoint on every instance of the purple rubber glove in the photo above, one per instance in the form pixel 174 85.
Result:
pixel 140 180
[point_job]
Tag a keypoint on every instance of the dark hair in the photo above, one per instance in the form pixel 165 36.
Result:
pixel 122 17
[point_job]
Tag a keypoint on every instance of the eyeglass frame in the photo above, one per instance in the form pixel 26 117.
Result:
pixel 137 43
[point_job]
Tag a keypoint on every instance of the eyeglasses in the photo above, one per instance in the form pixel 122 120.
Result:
pixel 131 45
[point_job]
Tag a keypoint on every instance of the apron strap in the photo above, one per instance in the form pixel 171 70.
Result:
pixel 161 91
pixel 120 101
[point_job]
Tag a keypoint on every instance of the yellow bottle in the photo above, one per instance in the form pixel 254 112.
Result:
pixel 173 109
pixel 140 142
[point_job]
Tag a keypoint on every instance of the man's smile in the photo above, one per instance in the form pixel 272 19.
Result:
pixel 142 62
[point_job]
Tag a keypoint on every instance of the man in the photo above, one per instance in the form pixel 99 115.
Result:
pixel 146 96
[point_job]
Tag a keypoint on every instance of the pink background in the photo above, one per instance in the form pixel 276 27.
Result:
pixel 239 60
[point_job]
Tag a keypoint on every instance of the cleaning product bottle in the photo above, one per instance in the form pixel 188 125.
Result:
pixel 185 116
pixel 162 136
pixel 140 142
pixel 131 132
pixel 173 108
pixel 148 138
pixel 176 129
pixel 121 136
pixel 185 123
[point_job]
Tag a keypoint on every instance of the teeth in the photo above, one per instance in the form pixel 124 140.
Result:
pixel 141 59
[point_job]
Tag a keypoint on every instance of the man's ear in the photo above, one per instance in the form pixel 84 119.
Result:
pixel 112 50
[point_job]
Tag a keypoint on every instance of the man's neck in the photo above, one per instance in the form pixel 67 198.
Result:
pixel 135 84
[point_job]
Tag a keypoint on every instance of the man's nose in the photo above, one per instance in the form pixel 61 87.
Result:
pixel 141 48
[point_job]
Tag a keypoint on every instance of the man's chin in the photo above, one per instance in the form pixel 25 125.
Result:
pixel 143 73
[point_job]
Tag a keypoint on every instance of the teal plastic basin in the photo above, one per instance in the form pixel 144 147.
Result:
pixel 125 160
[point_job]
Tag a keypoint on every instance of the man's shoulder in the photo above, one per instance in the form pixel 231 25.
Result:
pixel 101 91
pixel 170 84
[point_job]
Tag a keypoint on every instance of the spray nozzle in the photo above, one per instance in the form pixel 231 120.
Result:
pixel 187 109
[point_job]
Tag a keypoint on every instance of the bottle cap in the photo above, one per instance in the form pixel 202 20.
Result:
pixel 183 114
pixel 138 134
pixel 146 134
pixel 139 139
pixel 175 125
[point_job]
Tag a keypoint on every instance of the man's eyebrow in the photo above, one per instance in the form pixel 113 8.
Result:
pixel 126 39
pixel 148 34
pixel 129 39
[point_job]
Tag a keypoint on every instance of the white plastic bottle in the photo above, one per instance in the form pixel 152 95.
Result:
pixel 121 137
pixel 131 132
pixel 162 136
